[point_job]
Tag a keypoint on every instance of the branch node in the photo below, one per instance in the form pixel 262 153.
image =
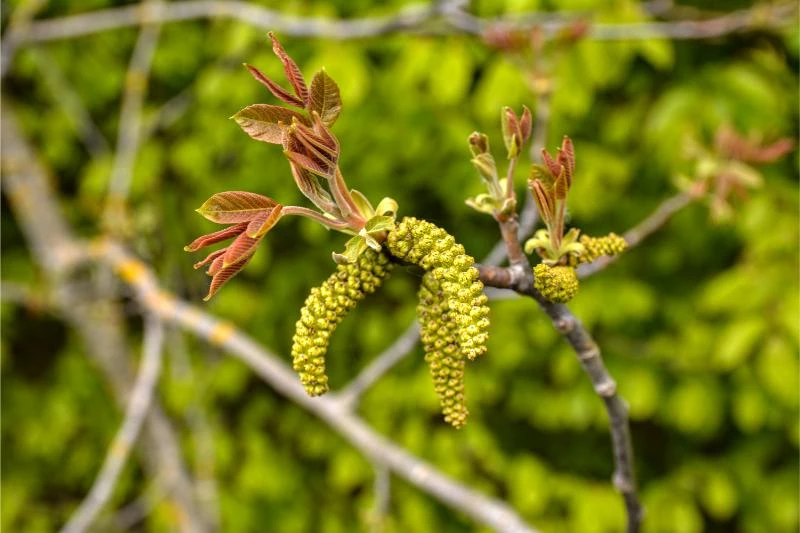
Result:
pixel 606 389
pixel 622 483
pixel 564 325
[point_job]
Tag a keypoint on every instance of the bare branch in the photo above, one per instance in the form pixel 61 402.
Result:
pixel 54 248
pixel 417 17
pixel 70 102
pixel 130 120
pixel 384 362
pixel 138 406
pixel 634 236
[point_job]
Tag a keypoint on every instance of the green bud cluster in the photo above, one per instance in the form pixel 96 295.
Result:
pixel 439 334
pixel 595 247
pixel 325 307
pixel 558 284
pixel 435 250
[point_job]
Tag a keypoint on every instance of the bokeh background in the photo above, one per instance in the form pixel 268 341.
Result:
pixel 699 324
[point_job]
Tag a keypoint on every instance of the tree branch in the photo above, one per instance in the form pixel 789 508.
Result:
pixel 54 249
pixel 138 405
pixel 417 17
pixel 130 121
pixel 634 236
pixel 70 102
pixel 519 277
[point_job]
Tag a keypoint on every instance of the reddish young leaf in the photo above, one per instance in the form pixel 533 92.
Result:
pixel 551 165
pixel 216 264
pixel 279 92
pixel 325 98
pixel 560 186
pixel 543 200
pixel 312 189
pixel 213 238
pixel 310 164
pixel 223 275
pixel 569 157
pixel 211 257
pixel 241 248
pixel 265 221
pixel 264 122
pixel 293 73
pixel 233 207
pixel 525 124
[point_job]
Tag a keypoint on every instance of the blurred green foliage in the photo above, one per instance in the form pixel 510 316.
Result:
pixel 699 325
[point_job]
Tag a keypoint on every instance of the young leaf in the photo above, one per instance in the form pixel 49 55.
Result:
pixel 213 238
pixel 561 187
pixel 241 248
pixel 379 223
pixel 293 73
pixel 211 257
pixel 387 207
pixel 320 168
pixel 312 189
pixel 325 98
pixel 224 274
pixel 233 207
pixel 365 208
pixel 263 222
pixel 279 92
pixel 264 122
pixel 352 249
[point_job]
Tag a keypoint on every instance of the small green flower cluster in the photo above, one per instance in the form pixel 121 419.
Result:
pixel 559 284
pixel 325 307
pixel 429 246
pixel 595 247
pixel 439 334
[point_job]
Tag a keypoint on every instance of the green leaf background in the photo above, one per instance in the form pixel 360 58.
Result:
pixel 699 325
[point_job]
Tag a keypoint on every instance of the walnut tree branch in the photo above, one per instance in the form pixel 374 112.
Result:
pixel 138 406
pixel 54 249
pixel 634 236
pixel 416 17
pixel 519 277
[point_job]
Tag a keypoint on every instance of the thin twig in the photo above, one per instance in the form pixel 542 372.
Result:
pixel 70 102
pixel 384 362
pixel 412 18
pixel 55 250
pixel 130 120
pixel 634 236
pixel 138 406
pixel 383 497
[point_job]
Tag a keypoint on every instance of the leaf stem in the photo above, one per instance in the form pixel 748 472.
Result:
pixel 314 215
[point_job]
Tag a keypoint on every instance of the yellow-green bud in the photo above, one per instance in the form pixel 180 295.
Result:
pixel 595 247
pixel 439 333
pixel 325 307
pixel 559 284
pixel 435 250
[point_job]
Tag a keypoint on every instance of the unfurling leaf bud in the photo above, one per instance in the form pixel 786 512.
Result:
pixel 558 284
pixel 478 143
pixel 325 307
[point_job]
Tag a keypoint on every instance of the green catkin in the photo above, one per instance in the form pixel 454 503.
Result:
pixel 595 247
pixel 435 250
pixel 558 284
pixel 325 307
pixel 439 334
